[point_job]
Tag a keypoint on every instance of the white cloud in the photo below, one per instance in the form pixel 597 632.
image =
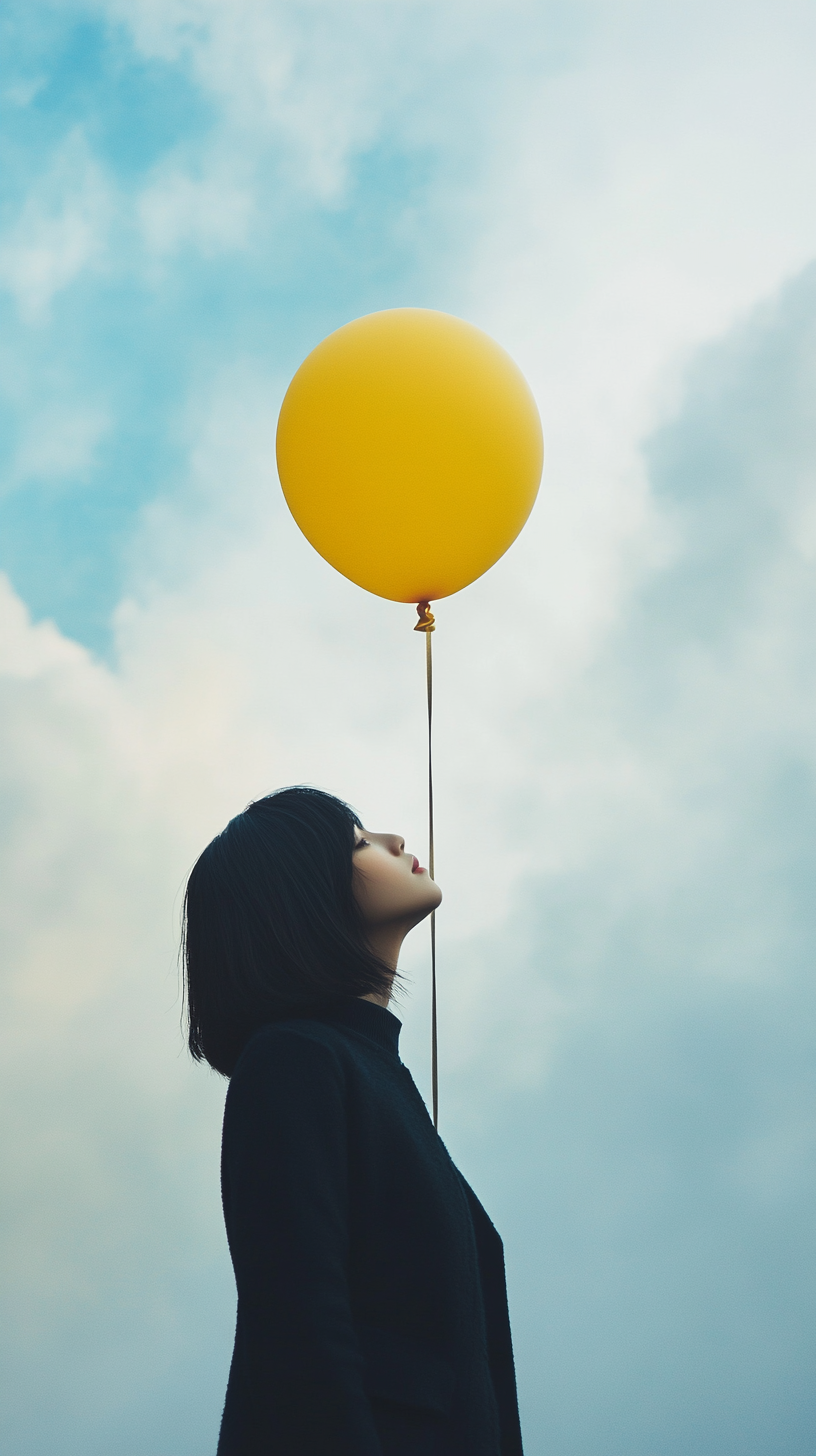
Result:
pixel 101 1136
pixel 302 76
pixel 640 202
pixel 58 440
pixel 61 230
pixel 27 650
pixel 212 212
pixel 644 179
pixel 23 91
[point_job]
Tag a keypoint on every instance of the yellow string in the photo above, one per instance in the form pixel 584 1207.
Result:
pixel 426 624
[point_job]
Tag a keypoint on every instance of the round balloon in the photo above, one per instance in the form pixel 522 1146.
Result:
pixel 409 450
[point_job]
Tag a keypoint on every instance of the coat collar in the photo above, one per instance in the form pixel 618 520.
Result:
pixel 367 1019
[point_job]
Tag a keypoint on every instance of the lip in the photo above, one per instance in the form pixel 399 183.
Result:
pixel 416 868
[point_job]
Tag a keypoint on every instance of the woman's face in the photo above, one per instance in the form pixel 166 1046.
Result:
pixel 390 886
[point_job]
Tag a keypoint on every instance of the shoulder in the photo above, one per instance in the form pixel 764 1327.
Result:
pixel 290 1078
pixel 287 1050
pixel 286 1116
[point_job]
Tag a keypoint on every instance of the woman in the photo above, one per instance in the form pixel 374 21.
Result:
pixel 372 1309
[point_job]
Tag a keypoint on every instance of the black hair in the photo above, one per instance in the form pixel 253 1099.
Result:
pixel 270 924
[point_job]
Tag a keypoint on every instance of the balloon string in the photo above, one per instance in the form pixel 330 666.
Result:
pixel 434 1053
pixel 426 625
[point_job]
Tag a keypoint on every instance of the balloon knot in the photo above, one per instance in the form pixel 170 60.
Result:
pixel 426 618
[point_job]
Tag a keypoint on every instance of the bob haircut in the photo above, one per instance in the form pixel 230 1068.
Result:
pixel 270 924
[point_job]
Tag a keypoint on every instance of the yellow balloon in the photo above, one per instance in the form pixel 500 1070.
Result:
pixel 409 450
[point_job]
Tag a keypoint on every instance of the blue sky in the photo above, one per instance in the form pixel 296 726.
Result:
pixel 195 193
pixel 129 340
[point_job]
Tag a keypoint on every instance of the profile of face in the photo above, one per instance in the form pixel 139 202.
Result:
pixel 392 889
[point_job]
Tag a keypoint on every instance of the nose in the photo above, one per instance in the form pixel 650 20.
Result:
pixel 397 845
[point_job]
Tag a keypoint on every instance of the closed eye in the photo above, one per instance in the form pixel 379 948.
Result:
pixel 363 844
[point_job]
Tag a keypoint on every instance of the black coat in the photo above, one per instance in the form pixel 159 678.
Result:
pixel 372 1306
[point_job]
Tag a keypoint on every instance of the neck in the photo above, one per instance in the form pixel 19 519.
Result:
pixel 386 943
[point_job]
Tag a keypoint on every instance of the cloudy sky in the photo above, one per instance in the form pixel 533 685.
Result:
pixel 196 192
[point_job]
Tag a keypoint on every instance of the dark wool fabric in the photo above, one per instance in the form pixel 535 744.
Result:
pixel 372 1305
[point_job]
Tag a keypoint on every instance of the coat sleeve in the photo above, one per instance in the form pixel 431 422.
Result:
pixel 296 1380
pixel 490 1252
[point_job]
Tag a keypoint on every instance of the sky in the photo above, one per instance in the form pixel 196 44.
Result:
pixel 194 194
